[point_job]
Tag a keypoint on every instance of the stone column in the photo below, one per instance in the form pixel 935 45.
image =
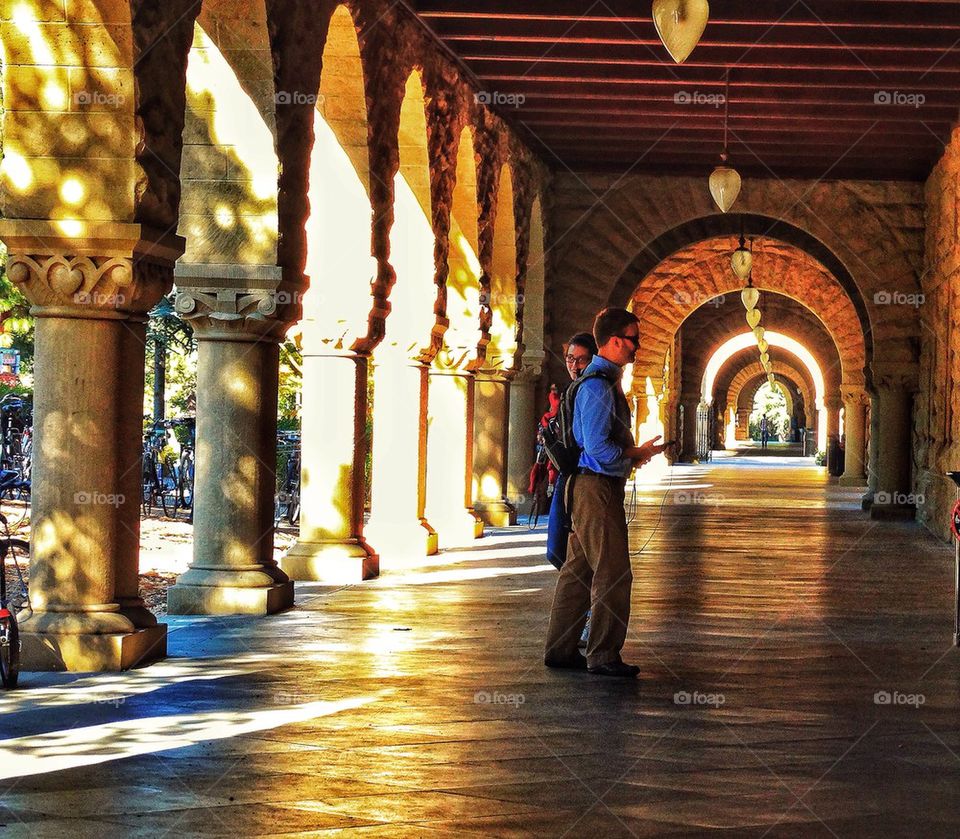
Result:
pixel 332 545
pixel 833 404
pixel 450 457
pixel 398 470
pixel 855 415
pixel 90 296
pixel 895 385
pixel 490 450
pixel 689 449
pixel 743 424
pixel 522 434
pixel 129 448
pixel 233 569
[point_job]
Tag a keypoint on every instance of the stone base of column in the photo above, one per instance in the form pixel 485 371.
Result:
pixel 187 599
pixel 893 512
pixel 496 513
pixel 457 530
pixel 52 652
pixel 852 481
pixel 416 539
pixel 331 562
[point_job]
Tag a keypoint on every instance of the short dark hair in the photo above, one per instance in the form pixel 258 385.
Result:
pixel 612 321
pixel 585 340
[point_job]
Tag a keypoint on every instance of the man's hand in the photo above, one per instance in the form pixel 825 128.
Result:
pixel 646 452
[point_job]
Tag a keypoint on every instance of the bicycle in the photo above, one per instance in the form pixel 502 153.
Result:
pixel 159 480
pixel 9 629
pixel 287 504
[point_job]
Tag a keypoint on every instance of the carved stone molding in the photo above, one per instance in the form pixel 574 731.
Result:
pixel 895 376
pixel 108 270
pixel 236 313
pixel 833 403
pixel 89 286
pixel 854 396
pixel 232 302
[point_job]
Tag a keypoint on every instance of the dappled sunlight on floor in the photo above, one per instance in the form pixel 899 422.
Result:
pixel 791 649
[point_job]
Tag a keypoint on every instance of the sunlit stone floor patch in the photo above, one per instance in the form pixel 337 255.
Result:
pixel 798 680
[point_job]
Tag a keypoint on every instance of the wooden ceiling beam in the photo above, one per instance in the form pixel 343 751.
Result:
pixel 758 57
pixel 890 14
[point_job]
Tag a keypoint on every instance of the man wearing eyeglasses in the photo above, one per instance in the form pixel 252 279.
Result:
pixel 597 572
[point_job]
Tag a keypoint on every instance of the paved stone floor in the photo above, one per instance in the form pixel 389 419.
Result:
pixel 798 680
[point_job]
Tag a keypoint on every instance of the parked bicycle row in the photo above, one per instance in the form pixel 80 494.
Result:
pixel 168 467
pixel 169 471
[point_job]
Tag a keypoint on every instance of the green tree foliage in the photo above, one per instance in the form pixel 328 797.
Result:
pixel 169 335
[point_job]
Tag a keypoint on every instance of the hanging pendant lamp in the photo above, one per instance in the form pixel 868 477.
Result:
pixel 725 180
pixel 758 332
pixel 753 318
pixel 680 25
pixel 762 345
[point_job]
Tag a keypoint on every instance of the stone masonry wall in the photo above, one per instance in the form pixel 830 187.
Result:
pixel 937 405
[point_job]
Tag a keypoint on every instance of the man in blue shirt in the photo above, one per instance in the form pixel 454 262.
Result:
pixel 597 572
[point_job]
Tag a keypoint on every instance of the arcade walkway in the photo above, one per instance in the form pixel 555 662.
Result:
pixel 798 680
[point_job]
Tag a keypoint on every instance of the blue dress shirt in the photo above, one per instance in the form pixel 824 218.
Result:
pixel 601 421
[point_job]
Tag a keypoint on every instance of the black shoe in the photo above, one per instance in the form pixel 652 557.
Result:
pixel 616 668
pixel 578 662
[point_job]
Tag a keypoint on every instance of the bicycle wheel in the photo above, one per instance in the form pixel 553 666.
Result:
pixel 9 651
pixel 293 510
pixel 185 482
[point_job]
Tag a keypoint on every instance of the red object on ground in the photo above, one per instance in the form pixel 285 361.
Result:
pixel 955 520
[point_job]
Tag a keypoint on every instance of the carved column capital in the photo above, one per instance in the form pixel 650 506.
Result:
pixel 109 271
pixel 888 375
pixel 854 396
pixel 833 403
pixel 238 302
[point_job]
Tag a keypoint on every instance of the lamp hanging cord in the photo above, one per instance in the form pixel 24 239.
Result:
pixel 634 504
pixel 726 113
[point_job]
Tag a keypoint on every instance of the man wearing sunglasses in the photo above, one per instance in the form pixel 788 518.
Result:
pixel 597 575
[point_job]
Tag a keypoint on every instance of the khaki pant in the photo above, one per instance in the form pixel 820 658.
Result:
pixel 595 576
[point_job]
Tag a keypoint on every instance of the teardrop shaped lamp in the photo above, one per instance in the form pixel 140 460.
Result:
pixel 742 263
pixel 724 186
pixel 680 25
pixel 753 318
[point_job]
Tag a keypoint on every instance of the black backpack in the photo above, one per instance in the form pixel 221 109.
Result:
pixel 558 440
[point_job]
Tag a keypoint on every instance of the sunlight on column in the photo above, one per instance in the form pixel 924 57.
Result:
pixel 503 282
pixel 651 427
pixel 731 436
